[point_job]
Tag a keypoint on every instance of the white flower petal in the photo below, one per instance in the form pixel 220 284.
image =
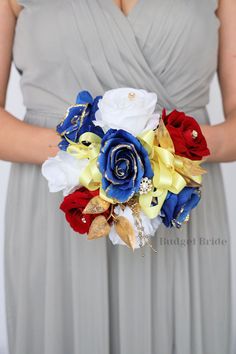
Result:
pixel 118 111
pixel 153 122
pixel 63 172
pixel 150 225
pixel 115 238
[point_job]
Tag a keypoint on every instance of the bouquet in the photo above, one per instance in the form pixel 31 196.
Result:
pixel 125 169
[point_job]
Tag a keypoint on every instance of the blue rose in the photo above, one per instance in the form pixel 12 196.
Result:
pixel 79 120
pixel 177 207
pixel 123 162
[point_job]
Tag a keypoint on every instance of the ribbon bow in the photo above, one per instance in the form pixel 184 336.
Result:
pixel 88 147
pixel 171 172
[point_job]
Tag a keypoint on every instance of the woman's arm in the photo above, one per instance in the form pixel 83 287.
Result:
pixel 19 141
pixel 221 138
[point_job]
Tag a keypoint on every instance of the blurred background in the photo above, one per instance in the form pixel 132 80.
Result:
pixel 15 106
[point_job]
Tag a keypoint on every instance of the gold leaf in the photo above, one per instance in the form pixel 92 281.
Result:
pixel 97 205
pixel 126 231
pixel 191 183
pixel 193 166
pixel 164 138
pixel 99 228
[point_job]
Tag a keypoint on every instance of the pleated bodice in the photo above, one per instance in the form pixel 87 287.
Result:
pixel 63 46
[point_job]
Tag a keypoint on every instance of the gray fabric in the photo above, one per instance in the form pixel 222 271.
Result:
pixel 67 295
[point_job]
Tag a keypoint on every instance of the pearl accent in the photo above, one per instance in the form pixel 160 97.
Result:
pixel 131 95
pixel 194 134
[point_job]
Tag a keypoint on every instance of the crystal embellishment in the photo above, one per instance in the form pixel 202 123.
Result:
pixel 145 186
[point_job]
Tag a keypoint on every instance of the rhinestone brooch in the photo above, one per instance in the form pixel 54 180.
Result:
pixel 145 186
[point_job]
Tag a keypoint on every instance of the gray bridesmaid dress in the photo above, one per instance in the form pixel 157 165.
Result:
pixel 67 295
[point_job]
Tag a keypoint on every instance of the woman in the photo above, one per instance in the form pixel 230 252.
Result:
pixel 65 294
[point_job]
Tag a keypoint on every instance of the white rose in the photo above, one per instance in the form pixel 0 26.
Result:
pixel 128 109
pixel 150 225
pixel 63 172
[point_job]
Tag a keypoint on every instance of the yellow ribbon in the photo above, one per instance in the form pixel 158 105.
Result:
pixel 189 169
pixel 171 172
pixel 104 196
pixel 91 176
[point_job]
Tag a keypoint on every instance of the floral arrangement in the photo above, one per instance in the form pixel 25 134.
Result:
pixel 125 169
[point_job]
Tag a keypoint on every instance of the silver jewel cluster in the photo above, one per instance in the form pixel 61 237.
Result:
pixel 145 186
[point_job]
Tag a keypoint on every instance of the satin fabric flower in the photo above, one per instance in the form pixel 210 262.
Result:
pixel 129 109
pixel 150 226
pixel 123 162
pixel 177 207
pixel 186 135
pixel 73 125
pixel 63 172
pixel 73 206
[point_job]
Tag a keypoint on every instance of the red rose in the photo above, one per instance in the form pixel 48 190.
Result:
pixel 186 135
pixel 73 206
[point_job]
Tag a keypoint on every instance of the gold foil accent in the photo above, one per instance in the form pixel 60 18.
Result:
pixel 143 238
pixel 187 219
pixel 163 137
pixel 96 205
pixel 83 115
pixel 125 230
pixel 99 228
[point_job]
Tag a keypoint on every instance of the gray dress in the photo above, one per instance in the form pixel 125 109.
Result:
pixel 67 295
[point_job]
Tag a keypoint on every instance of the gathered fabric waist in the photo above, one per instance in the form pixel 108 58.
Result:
pixel 43 118
pixel 49 119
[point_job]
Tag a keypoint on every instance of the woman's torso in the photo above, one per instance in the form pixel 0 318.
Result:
pixel 166 46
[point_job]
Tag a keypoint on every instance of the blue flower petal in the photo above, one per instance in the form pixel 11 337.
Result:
pixel 84 97
pixel 89 127
pixel 168 208
pixel 102 163
pixel 188 206
pixel 74 123
pixel 183 197
pixel 120 150
pixel 119 194
pixel 178 206
pixel 105 184
pixel 63 145
pixel 70 119
pixel 94 108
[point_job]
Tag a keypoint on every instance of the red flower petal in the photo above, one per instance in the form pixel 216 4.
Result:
pixel 181 127
pixel 73 206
